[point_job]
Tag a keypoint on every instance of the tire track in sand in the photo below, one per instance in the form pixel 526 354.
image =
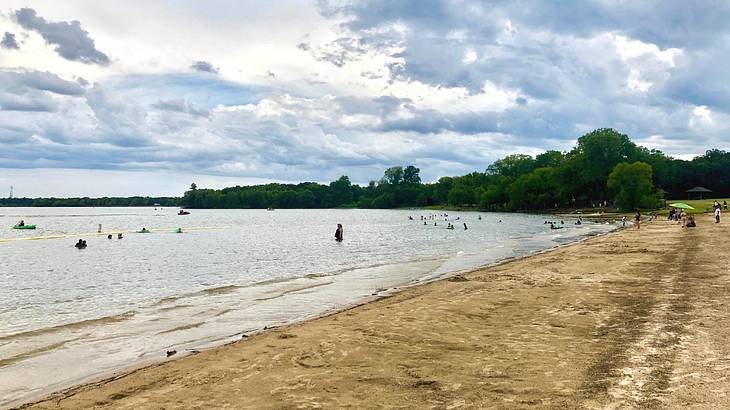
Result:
pixel 646 334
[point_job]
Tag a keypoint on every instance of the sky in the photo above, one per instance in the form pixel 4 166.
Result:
pixel 146 97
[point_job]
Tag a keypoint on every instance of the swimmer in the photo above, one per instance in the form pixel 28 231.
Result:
pixel 109 236
pixel 119 236
pixel 81 244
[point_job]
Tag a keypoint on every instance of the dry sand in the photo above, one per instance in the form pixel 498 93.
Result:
pixel 634 319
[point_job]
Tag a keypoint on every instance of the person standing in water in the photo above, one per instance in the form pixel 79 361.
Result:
pixel 339 233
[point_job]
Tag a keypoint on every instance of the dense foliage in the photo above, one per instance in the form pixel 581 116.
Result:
pixel 131 201
pixel 605 167
pixel 632 185
pixel 553 179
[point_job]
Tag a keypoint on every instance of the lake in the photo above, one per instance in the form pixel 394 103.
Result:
pixel 68 315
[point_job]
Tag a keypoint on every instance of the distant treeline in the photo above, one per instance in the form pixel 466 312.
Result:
pixel 131 201
pixel 605 167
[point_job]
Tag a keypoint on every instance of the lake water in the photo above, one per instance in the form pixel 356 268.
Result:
pixel 67 315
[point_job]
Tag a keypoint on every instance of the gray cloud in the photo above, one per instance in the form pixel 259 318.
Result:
pixel 70 40
pixel 8 41
pixel 204 66
pixel 33 91
pixel 180 105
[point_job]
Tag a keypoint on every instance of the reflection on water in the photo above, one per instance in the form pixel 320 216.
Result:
pixel 120 302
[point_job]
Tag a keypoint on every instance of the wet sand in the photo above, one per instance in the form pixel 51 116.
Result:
pixel 632 319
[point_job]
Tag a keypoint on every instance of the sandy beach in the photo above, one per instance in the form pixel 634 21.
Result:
pixel 632 319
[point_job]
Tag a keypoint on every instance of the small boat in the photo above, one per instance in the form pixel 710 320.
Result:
pixel 183 212
pixel 269 209
pixel 24 227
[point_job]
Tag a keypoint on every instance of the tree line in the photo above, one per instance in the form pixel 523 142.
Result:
pixel 605 167
pixel 84 202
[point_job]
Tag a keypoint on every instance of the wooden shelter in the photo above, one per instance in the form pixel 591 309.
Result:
pixel 697 192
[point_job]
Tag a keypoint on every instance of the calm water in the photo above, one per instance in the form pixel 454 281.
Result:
pixel 67 314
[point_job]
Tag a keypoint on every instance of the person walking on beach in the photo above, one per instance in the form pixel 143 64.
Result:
pixel 637 220
pixel 623 221
pixel 339 233
pixel 717 215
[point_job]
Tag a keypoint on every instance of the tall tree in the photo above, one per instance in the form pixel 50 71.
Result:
pixel 598 152
pixel 392 176
pixel 411 175
pixel 632 184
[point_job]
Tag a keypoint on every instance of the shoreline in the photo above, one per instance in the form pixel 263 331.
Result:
pixel 104 378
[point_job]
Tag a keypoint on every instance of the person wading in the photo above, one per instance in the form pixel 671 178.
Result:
pixel 339 233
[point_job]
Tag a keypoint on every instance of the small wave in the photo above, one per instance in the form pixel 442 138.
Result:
pixel 209 291
pixel 169 308
pixel 292 290
pixel 70 326
pixel 219 290
pixel 32 353
pixel 222 312
pixel 167 299
pixel 183 327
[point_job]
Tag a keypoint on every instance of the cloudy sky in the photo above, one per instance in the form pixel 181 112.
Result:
pixel 145 97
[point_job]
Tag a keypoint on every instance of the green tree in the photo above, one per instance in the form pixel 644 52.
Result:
pixel 632 184
pixel 392 176
pixel 597 153
pixel 341 191
pixel 410 175
pixel 461 195
pixel 549 159
pixel 534 190
pixel 512 165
